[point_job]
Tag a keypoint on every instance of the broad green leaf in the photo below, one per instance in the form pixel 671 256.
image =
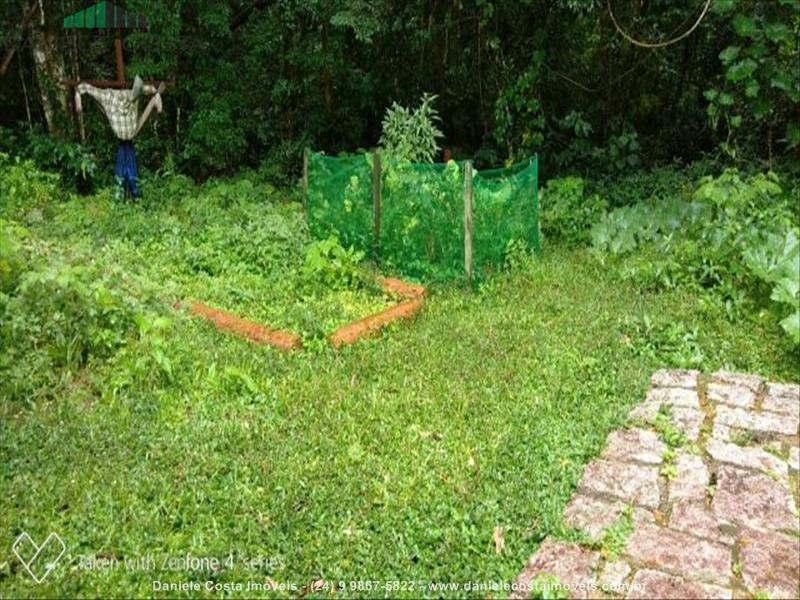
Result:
pixel 744 26
pixel 725 99
pixel 791 325
pixel 741 70
pixel 729 54
pixel 786 291
pixel 782 80
pixel 776 31
pixel 752 88
pixel 757 50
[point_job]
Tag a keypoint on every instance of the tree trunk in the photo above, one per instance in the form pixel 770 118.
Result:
pixel 50 71
pixel 326 73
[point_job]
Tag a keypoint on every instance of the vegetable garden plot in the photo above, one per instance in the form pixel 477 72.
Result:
pixel 416 219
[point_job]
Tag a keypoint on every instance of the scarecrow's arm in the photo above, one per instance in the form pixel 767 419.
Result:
pixel 155 102
pixel 85 88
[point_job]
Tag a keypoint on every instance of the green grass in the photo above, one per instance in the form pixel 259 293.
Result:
pixel 394 459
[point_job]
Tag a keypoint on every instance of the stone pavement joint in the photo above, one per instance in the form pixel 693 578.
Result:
pixel 713 518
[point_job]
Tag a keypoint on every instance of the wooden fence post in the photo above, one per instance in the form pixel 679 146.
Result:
pixel 305 181
pixel 376 200
pixel 119 57
pixel 468 219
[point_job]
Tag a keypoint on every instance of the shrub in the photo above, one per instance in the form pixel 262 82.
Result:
pixel 76 164
pixel 54 317
pixel 12 258
pixel 329 265
pixel 567 213
pixel 736 238
pixel 215 141
pixel 412 135
pixel 25 192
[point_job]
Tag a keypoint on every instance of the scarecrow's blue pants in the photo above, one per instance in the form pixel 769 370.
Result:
pixel 126 171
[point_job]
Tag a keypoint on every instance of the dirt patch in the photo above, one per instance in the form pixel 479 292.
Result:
pixel 225 321
pixel 362 328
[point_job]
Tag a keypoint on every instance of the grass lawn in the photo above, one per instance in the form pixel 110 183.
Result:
pixel 395 459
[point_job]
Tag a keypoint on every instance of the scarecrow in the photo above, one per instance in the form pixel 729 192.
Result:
pixel 118 99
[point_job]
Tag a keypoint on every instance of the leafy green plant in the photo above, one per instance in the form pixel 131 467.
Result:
pixel 579 150
pixel 412 135
pixel 567 212
pixel 518 256
pixel 672 343
pixel 57 317
pixel 776 260
pixel 668 469
pixel 328 264
pixel 548 587
pixel 26 193
pixel 77 165
pixel 622 151
pixel 671 435
pixel 13 257
pixel 615 536
pixel 760 86
pixel 215 142
pixel 519 119
pixel 735 237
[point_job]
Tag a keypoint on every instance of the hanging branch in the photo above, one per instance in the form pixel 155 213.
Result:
pixel 25 94
pixel 663 44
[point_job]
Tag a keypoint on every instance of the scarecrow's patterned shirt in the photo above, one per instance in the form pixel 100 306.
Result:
pixel 121 109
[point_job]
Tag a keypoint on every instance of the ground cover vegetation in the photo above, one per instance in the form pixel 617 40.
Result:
pixel 317 457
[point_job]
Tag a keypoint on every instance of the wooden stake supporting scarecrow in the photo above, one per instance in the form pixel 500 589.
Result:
pixel 118 99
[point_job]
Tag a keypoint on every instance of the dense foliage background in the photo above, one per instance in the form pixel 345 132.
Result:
pixel 256 80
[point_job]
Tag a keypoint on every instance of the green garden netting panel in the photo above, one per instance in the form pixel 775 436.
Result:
pixel 422 219
pixel 422 212
pixel 340 199
pixel 505 211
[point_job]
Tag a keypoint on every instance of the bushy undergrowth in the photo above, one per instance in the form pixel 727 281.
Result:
pixel 731 237
pixel 735 240
pixel 57 312
pixel 568 211
pixel 82 276
pixel 77 165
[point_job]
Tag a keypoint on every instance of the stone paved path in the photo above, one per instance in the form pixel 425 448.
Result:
pixel 703 484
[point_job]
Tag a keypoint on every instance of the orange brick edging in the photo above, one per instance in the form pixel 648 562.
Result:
pixel 368 326
pixel 402 288
pixel 345 335
pixel 225 321
pixel 352 332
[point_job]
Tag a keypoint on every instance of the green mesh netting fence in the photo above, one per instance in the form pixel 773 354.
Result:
pixel 422 212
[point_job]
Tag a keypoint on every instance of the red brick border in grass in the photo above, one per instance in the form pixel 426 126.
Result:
pixel 225 321
pixel 348 334
pixel 352 332
pixel 402 288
